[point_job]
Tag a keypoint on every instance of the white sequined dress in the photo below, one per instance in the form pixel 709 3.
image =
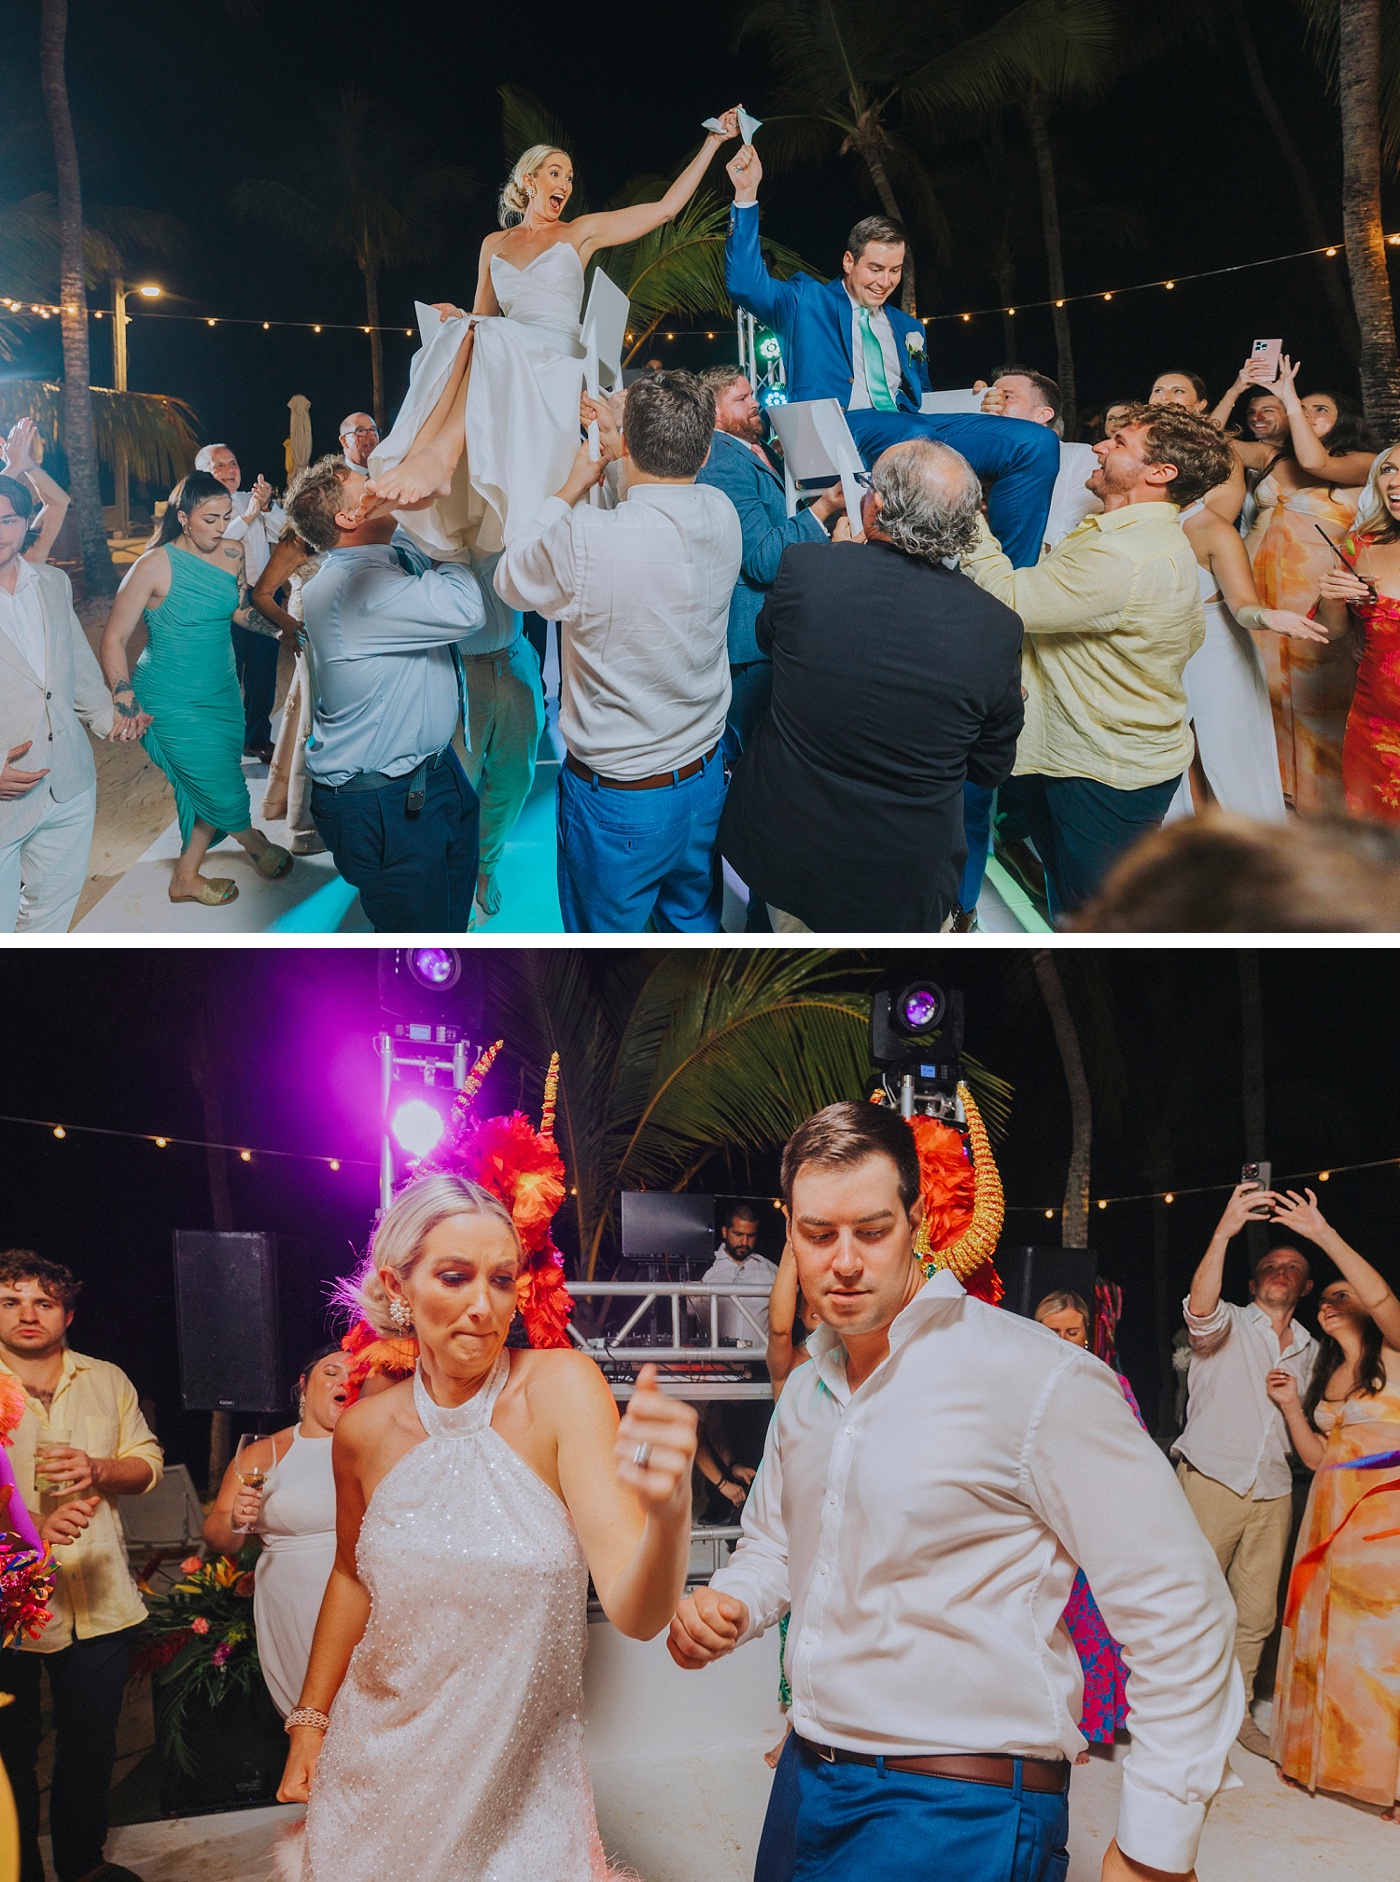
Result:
pixel 455 1749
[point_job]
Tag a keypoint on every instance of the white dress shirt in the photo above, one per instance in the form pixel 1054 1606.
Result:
pixel 642 595
pixel 383 677
pixel 22 619
pixel 725 1271
pixel 925 1530
pixel 257 535
pixel 1070 502
pixel 1234 1431
pixel 859 400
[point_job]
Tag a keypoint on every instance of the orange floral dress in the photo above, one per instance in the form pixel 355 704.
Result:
pixel 1310 685
pixel 1371 752
pixel 1337 1700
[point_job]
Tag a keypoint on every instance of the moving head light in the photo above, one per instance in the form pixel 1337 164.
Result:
pixel 916 1040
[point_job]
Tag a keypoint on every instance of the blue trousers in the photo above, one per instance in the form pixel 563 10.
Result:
pixel 751 687
pixel 853 1823
pixel 978 804
pixel 1019 462
pixel 629 857
pixel 255 657
pixel 1080 828
pixel 415 874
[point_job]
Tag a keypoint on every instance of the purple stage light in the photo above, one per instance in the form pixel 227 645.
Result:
pixel 920 1007
pixel 417 1126
pixel 438 968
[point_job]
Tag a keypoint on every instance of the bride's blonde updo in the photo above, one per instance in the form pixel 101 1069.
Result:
pixel 515 198
pixel 398 1240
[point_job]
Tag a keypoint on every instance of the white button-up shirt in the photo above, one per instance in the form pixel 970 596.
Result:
pixel 925 1529
pixel 257 535
pixel 383 678
pixel 22 619
pixel 725 1271
pixel 1234 1431
pixel 859 400
pixel 642 595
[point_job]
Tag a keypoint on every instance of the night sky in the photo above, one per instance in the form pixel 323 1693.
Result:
pixel 99 1038
pixel 176 104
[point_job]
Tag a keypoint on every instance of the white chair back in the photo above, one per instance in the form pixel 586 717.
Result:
pixel 817 444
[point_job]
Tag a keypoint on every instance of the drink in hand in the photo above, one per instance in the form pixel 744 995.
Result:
pixel 250 1470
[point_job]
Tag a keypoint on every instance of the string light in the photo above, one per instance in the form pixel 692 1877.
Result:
pixel 1103 1202
pixel 1325 1176
pixel 1169 1197
pixel 1049 1215
pixel 59 1131
pixel 245 1156
pixel 1169 284
pixel 162 1143
pixel 335 1163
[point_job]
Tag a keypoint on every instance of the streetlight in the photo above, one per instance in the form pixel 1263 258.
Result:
pixel 120 318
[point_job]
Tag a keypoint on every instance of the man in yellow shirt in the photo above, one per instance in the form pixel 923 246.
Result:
pixel 109 1451
pixel 1112 614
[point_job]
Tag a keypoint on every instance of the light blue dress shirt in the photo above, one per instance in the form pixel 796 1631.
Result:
pixel 381 641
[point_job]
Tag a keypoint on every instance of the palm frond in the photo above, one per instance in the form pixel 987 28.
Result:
pixel 679 268
pixel 1065 47
pixel 160 435
pixel 789 140
pixel 285 212
pixel 527 120
pixel 112 237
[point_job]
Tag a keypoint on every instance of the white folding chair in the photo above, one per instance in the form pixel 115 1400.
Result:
pixel 817 444
pixel 603 333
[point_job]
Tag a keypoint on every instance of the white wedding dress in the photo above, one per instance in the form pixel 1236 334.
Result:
pixel 1228 698
pixel 522 419
pixel 455 1749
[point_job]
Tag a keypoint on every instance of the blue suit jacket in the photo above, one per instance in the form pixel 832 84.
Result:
pixel 759 495
pixel 813 321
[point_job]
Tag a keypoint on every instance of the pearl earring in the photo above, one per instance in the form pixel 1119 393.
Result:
pixel 401 1314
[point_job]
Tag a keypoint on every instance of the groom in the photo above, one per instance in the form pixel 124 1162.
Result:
pixel 843 340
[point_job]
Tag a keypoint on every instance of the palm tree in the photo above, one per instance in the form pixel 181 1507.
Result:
pixel 78 427
pixel 671 1062
pixel 362 190
pixel 158 435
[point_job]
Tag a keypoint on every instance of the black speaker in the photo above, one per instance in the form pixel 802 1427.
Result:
pixel 229 1321
pixel 655 1222
pixel 1029 1274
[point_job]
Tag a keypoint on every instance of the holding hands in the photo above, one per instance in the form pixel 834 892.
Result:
pixel 21 447
pixel 655 1447
pixel 707 1625
pixel 745 172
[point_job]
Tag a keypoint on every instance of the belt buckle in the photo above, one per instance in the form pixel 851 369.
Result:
pixel 826 1753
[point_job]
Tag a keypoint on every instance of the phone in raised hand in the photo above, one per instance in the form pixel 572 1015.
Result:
pixel 1266 353
pixel 1257 1175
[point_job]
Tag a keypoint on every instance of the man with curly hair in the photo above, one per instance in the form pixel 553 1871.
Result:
pixel 97 1447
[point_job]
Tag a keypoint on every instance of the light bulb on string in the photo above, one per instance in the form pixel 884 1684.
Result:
pixel 245 1156
pixel 1169 1197
pixel 161 1143
pixel 59 1131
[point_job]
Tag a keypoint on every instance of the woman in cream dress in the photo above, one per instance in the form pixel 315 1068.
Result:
pixel 490 425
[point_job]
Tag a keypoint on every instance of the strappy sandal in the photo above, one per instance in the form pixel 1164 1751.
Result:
pixel 274 863
pixel 213 893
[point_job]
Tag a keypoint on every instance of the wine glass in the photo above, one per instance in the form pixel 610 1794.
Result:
pixel 250 1471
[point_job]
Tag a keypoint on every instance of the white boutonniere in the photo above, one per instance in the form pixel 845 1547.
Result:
pixel 914 344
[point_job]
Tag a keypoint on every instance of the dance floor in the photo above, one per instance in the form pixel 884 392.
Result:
pixel 680 1804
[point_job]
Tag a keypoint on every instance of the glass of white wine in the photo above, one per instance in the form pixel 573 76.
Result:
pixel 250 1471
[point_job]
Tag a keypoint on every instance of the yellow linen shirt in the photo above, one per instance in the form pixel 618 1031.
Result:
pixel 94 1592
pixel 1112 614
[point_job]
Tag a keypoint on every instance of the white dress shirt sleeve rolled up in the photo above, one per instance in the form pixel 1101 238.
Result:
pixel 1234 1432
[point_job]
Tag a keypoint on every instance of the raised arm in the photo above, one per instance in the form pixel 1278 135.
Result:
pixel 1352 467
pixel 610 228
pixel 633 1520
pixel 749 283
pixel 1301 1216
pixel 1247 1204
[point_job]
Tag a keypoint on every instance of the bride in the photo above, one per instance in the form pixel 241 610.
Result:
pixel 439 1733
pixel 490 425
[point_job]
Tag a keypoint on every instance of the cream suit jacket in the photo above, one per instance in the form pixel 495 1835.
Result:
pixel 51 709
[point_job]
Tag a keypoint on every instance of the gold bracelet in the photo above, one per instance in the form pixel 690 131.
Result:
pixel 307 1715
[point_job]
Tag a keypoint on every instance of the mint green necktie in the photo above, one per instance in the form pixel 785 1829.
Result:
pixel 876 381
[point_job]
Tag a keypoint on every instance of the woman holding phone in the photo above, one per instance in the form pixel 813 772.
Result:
pixel 1309 480
pixel 1367 595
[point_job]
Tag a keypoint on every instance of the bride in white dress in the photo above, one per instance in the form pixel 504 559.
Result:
pixel 1236 763
pixel 490 425
pixel 473 1503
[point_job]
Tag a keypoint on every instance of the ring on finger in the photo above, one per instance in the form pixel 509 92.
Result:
pixel 641 1457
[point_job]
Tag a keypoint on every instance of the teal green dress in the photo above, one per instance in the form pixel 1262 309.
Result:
pixel 187 681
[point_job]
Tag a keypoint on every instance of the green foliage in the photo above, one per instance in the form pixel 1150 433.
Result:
pixel 158 433
pixel 199 1643
pixel 114 237
pixel 679 268
pixel 526 120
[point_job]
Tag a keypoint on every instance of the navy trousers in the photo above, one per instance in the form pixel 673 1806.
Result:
pixel 751 688
pixel 416 873
pixel 855 1823
pixel 86 1681
pixel 255 656
pixel 1019 462
pixel 1080 828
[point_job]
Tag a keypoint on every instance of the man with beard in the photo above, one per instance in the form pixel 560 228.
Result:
pixel 1112 614
pixel 741 465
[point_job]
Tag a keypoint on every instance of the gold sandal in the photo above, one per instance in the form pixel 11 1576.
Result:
pixel 274 863
pixel 213 893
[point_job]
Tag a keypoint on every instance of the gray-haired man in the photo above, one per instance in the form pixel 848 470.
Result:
pixel 892 683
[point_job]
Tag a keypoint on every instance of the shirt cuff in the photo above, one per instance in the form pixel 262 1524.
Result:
pixel 1205 1323
pixel 1160 1831
pixel 739 205
pixel 739 1586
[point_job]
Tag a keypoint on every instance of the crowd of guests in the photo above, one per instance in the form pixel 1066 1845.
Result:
pixel 1268 1404
pixel 1044 649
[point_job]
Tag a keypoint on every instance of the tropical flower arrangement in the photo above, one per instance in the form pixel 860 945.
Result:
pixel 198 1642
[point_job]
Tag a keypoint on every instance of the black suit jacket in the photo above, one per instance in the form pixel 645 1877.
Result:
pixel 894 680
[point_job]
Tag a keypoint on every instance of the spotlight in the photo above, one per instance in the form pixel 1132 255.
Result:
pixel 916 1040
pixel 428 988
pixel 438 968
pixel 418 1126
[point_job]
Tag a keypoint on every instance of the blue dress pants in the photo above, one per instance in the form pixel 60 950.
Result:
pixel 1080 828
pixel 255 657
pixel 1017 460
pixel 978 804
pixel 858 1823
pixel 751 688
pixel 416 873
pixel 629 857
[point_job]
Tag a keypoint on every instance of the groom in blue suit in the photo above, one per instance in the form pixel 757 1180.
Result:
pixel 845 340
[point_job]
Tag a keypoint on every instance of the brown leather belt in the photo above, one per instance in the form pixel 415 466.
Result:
pixel 656 783
pixel 1037 1774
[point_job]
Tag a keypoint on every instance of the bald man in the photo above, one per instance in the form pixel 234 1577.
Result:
pixel 358 436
